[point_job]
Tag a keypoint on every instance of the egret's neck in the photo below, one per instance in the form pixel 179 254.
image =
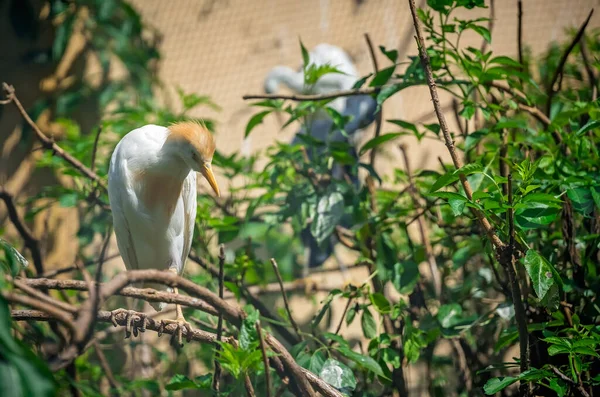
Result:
pixel 167 163
pixel 286 76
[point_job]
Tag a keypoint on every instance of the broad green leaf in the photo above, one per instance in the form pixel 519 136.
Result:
pixel 494 385
pixel 392 55
pixel 255 120
pixel 248 335
pixel 443 181
pixel 337 375
pixel 589 126
pixel 330 209
pixel 406 276
pixel 542 273
pixel 582 199
pixel 373 142
pixel 559 386
pixel 457 206
pixel 507 61
pixel 380 302
pixel 363 361
pixel 449 315
pixel 368 324
pixel 382 77
pixel 68 200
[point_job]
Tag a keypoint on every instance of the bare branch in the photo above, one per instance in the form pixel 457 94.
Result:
pixel 317 97
pixel 558 73
pixel 32 244
pixel 261 342
pixel 48 143
pixel 285 299
pixel 55 313
pixel 379 116
pixel 217 375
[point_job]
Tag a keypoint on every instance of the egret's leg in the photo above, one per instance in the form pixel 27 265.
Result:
pixel 179 320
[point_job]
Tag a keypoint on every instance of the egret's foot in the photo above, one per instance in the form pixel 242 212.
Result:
pixel 181 324
pixel 309 283
pixel 134 322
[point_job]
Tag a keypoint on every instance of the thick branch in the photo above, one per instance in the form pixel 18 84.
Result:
pixel 48 143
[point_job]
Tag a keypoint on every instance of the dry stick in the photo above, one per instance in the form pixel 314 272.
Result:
pixel 588 68
pixel 300 97
pixel 54 273
pixel 261 342
pixel 433 267
pixel 558 73
pixel 569 380
pixel 170 329
pixel 48 143
pixel 217 374
pixel 520 37
pixel 58 314
pixel 379 116
pixel 285 299
pixel 32 244
pixel 520 315
pixel 104 364
pixel 499 246
pixel 147 294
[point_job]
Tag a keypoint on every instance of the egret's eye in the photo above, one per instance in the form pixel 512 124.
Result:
pixel 194 156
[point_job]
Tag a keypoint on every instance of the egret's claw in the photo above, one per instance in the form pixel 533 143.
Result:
pixel 181 324
pixel 130 321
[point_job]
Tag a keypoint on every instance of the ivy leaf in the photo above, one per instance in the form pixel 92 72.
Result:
pixel 542 273
pixel 337 375
pixel 330 209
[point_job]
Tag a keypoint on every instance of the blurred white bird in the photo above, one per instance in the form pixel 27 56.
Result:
pixel 152 193
pixel 360 108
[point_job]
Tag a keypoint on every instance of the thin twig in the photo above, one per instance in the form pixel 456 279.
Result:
pixel 520 316
pixel 54 273
pixel 105 366
pixel 564 377
pixel 486 226
pixel 32 244
pixel 285 299
pixel 558 73
pixel 433 267
pixel 588 68
pixel 48 143
pixel 261 342
pixel 56 313
pixel 339 326
pixel 95 149
pixel 520 38
pixel 379 115
pixel 317 97
pixel 217 374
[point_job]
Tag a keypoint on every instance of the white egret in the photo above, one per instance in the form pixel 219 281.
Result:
pixel 152 193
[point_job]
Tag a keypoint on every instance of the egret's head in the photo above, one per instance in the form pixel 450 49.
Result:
pixel 196 146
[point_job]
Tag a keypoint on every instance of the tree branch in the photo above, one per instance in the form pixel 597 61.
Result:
pixel 558 73
pixel 48 143
pixel 285 299
pixel 32 244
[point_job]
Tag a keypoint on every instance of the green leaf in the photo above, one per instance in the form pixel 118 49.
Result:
pixel 371 143
pixel 305 56
pixel 255 120
pixel 182 382
pixel 443 181
pixel 483 31
pixel 337 375
pixel 558 386
pixel 363 361
pixel 506 61
pixel 321 313
pixel 457 206
pixel 248 335
pixel 494 385
pixel 582 199
pixel 68 200
pixel 542 273
pixel 316 362
pixel 449 315
pixel 406 276
pixel 380 302
pixel 589 126
pixel 392 55
pixel 330 209
pixel 382 77
pixel 368 324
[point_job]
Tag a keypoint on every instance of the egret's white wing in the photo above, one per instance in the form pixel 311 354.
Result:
pixel 188 193
pixel 117 193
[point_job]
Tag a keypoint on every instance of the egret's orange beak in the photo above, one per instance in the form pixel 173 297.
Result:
pixel 206 171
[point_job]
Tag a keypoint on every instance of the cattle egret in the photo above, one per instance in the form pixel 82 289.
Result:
pixel 360 108
pixel 152 193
